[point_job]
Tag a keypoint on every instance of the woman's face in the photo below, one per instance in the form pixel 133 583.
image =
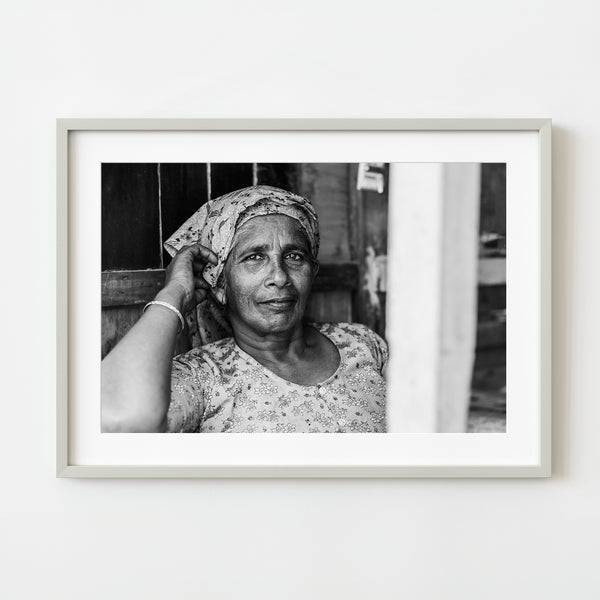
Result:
pixel 268 275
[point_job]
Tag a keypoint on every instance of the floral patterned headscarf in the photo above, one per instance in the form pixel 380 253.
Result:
pixel 214 225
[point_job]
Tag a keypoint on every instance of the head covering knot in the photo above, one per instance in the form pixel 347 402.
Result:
pixel 214 225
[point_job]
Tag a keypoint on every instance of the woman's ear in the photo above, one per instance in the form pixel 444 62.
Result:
pixel 219 292
pixel 219 296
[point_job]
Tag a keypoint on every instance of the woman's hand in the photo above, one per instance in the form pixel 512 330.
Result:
pixel 184 284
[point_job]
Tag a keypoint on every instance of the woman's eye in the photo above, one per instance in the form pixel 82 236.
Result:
pixel 295 256
pixel 253 257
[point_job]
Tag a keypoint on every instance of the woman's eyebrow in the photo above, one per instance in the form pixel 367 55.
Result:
pixel 265 247
pixel 253 248
pixel 256 247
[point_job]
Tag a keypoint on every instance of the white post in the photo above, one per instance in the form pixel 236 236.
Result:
pixel 432 294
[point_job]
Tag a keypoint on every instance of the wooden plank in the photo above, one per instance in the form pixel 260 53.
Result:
pixel 326 186
pixel 130 216
pixel 281 175
pixel 228 177
pixel 183 190
pixel 126 288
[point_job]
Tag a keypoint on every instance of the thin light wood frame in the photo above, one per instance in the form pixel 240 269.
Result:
pixel 542 127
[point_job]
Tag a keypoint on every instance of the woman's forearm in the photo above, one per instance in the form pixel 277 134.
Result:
pixel 136 374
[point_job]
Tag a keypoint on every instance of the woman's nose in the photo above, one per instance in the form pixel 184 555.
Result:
pixel 278 274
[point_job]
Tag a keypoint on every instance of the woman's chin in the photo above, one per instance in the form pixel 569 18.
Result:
pixel 276 322
pixel 263 320
pixel 281 325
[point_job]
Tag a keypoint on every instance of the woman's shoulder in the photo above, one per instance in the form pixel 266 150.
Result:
pixel 355 334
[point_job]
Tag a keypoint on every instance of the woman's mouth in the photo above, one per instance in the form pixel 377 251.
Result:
pixel 284 302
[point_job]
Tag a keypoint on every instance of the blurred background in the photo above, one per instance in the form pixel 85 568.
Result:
pixel 143 204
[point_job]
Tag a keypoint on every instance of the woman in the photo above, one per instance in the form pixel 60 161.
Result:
pixel 246 262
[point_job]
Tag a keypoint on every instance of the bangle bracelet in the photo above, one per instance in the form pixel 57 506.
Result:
pixel 170 307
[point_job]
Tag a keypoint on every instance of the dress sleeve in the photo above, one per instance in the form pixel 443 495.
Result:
pixel 380 350
pixel 376 345
pixel 188 382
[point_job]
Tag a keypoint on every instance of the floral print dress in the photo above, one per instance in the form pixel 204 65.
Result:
pixel 219 388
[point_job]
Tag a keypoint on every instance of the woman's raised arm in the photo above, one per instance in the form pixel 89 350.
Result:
pixel 136 374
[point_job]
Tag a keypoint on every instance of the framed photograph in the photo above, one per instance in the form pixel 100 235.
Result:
pixel 290 280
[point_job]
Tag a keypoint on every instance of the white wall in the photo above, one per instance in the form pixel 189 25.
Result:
pixel 296 539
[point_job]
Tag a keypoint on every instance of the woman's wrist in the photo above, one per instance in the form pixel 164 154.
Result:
pixel 173 294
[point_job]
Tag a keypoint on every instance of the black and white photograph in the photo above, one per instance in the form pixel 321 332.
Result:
pixel 282 297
